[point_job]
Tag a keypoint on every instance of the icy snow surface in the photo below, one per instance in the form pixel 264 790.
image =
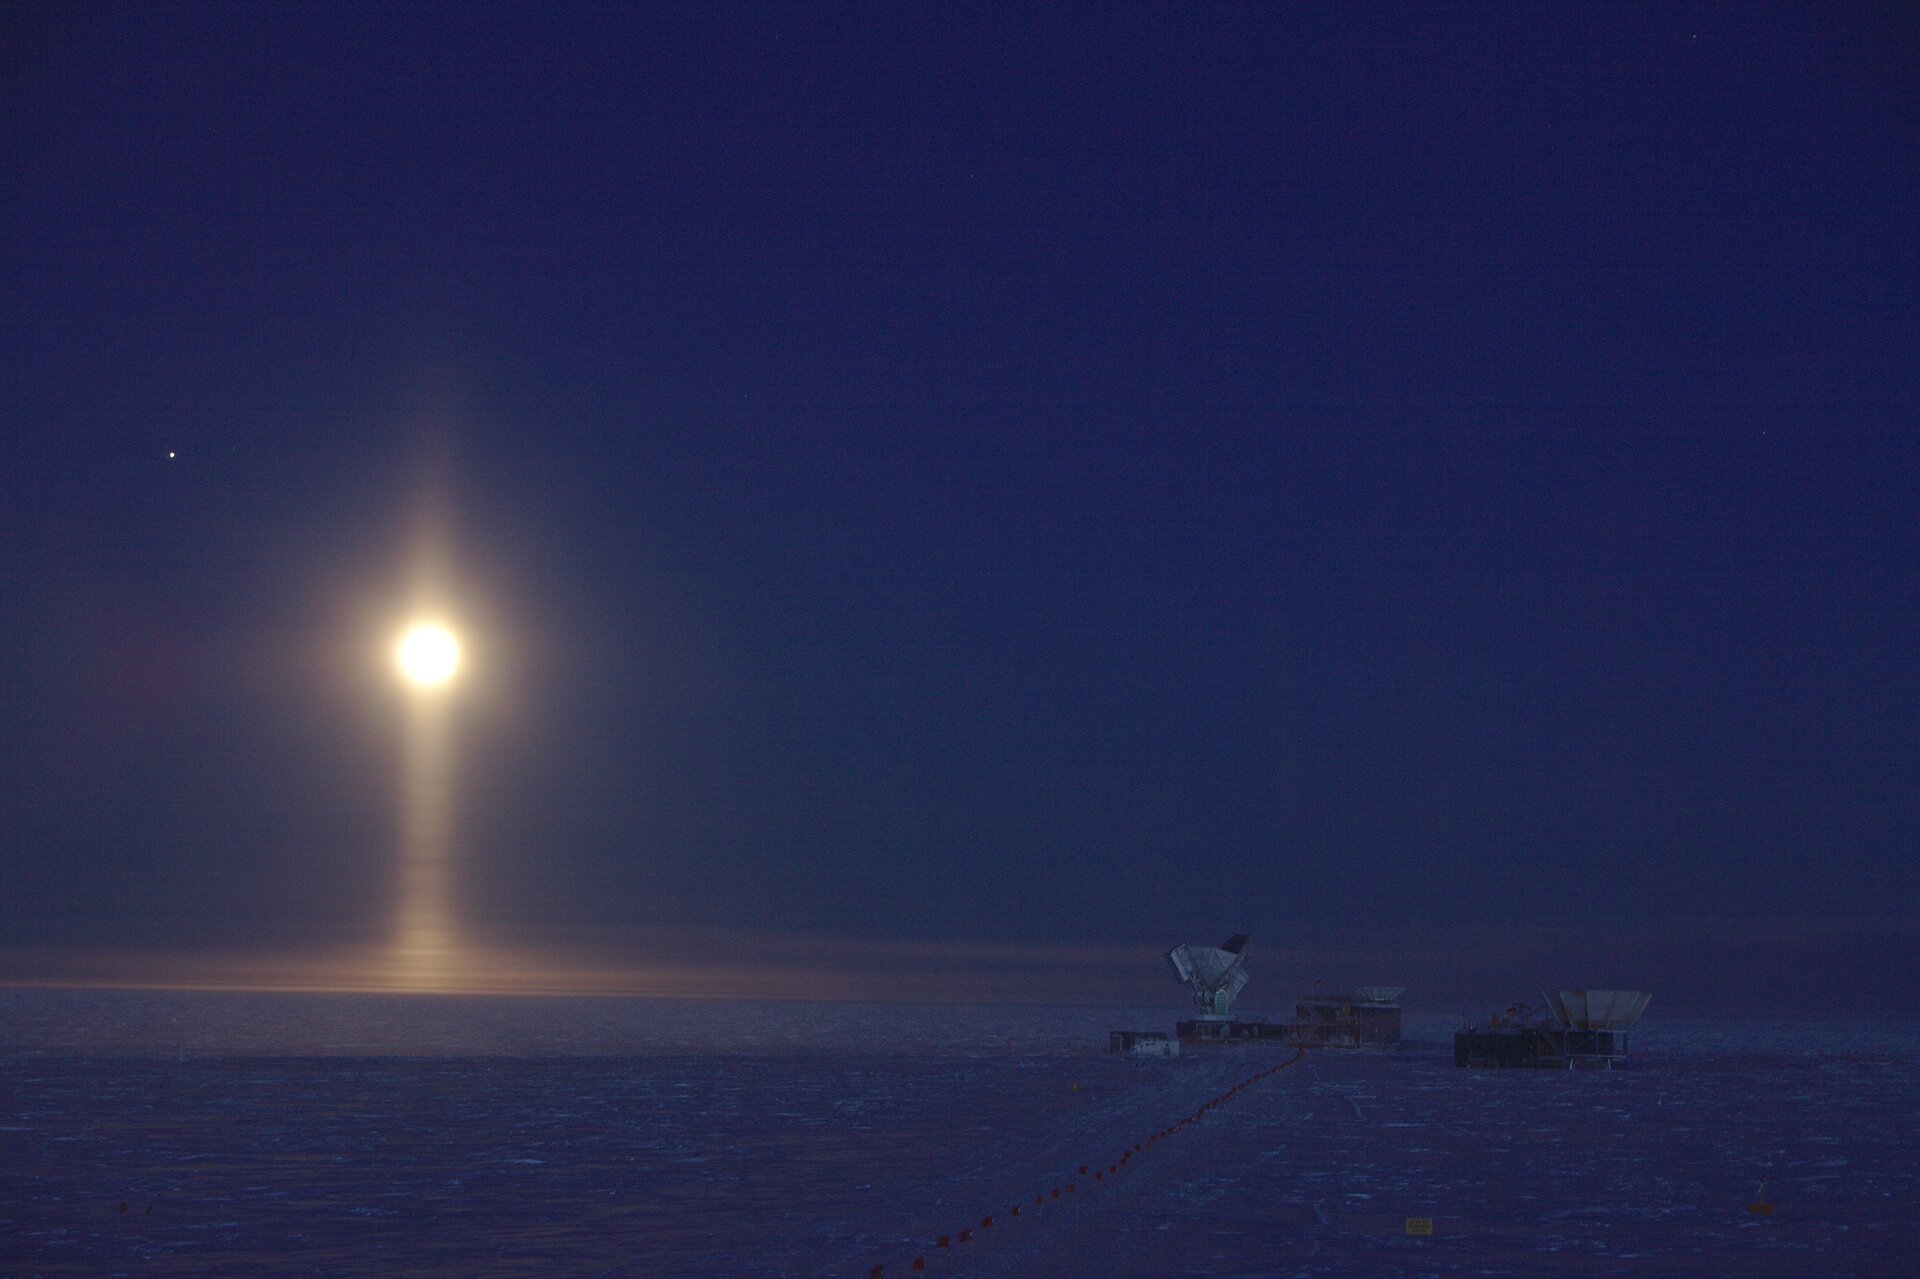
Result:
pixel 352 1135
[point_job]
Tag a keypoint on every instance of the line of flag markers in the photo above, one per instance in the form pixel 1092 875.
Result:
pixel 1101 1177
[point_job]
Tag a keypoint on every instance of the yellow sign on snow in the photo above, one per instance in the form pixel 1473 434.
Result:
pixel 1419 1225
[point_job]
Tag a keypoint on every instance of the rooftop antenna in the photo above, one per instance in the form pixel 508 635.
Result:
pixel 1215 974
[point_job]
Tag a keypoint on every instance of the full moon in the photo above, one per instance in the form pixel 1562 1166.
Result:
pixel 427 654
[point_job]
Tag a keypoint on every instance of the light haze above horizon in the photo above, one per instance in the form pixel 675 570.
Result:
pixel 991 489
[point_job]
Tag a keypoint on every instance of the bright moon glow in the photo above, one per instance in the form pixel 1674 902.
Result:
pixel 427 654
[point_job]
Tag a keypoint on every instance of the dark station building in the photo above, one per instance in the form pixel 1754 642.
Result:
pixel 1362 1017
pixel 1202 1031
pixel 1579 1028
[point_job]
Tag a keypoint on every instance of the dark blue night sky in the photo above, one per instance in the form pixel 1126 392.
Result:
pixel 1431 487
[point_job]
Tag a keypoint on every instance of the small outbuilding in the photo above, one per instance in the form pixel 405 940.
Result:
pixel 1143 1043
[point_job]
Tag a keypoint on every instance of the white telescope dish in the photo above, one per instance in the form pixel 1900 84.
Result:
pixel 1598 1009
pixel 1215 974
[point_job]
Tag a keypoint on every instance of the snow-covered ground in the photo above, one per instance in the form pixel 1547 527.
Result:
pixel 184 1133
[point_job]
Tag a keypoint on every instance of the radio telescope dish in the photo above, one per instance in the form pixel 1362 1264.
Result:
pixel 1598 1009
pixel 1215 974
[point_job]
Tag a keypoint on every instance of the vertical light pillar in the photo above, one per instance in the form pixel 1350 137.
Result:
pixel 428 658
